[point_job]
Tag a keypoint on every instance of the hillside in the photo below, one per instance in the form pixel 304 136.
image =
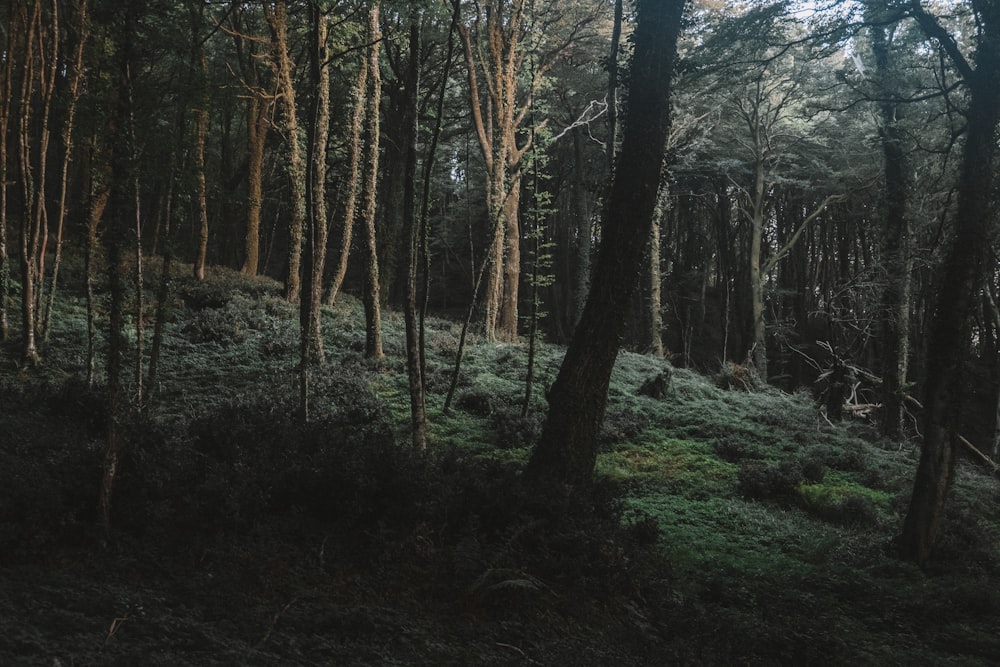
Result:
pixel 726 526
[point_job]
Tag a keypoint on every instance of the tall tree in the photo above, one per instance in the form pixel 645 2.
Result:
pixel 496 42
pixel 963 272
pixel 315 232
pixel 199 64
pixel 277 19
pixel 895 304
pixel 567 450
pixel 369 189
pixel 6 101
pixel 121 212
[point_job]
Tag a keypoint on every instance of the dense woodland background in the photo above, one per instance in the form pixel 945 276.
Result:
pixel 821 231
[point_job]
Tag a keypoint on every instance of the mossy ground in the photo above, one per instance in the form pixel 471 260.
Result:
pixel 724 526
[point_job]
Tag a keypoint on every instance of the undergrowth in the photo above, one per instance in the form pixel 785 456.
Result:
pixel 728 524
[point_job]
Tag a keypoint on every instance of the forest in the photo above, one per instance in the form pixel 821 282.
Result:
pixel 631 332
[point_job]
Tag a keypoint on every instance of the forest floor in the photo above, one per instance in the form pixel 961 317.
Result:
pixel 725 526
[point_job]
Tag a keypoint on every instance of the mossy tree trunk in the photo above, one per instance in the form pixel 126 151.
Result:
pixel 373 308
pixel 277 19
pixel 567 450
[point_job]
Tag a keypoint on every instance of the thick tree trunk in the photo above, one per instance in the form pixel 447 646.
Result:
pixel 567 451
pixel 965 266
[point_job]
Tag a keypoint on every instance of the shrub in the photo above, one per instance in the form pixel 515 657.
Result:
pixel 734 449
pixel 512 431
pixel 768 482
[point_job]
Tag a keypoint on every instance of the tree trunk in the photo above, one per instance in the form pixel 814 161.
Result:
pixel 199 63
pixel 411 232
pixel 894 310
pixel 82 29
pixel 277 18
pixel 6 98
pixel 584 229
pixel 353 178
pixel 121 203
pixel 373 309
pixel 965 266
pixel 567 451
pixel 257 125
pixel 314 255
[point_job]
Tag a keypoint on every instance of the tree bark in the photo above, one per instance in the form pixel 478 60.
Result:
pixel 411 232
pixel 894 310
pixel 121 203
pixel 567 451
pixel 277 18
pixel 6 98
pixel 199 61
pixel 963 272
pixel 353 178
pixel 373 308
pixel 82 29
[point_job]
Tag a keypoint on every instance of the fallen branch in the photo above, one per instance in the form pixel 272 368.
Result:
pixel 987 460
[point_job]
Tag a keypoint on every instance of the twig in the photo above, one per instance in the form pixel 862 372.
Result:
pixel 116 624
pixel 514 648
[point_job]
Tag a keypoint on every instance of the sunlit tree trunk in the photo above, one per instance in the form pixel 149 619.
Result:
pixel 373 309
pixel 199 63
pixel 40 46
pixel 277 18
pixel 353 178
pixel 82 30
pixel 315 232
pixel 6 99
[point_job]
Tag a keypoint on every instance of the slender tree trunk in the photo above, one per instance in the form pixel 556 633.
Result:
pixel 98 201
pixel 257 125
pixel 963 272
pixel 758 351
pixel 411 232
pixel 201 116
pixel 655 299
pixel 6 98
pixel 277 18
pixel 353 178
pixel 616 32
pixel 314 255
pixel 373 309
pixel 567 451
pixel 82 30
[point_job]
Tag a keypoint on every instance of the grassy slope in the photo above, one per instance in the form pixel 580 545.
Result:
pixel 743 526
